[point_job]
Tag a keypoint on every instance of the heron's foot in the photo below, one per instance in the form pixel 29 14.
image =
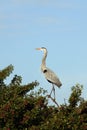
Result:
pixel 49 96
pixel 53 99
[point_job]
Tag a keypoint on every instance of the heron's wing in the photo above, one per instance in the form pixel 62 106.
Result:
pixel 52 77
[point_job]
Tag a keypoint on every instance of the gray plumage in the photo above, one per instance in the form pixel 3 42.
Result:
pixel 49 74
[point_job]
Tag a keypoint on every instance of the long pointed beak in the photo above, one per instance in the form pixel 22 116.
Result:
pixel 38 48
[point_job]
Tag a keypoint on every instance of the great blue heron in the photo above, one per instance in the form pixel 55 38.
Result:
pixel 49 74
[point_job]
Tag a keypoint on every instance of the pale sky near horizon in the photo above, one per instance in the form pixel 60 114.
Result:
pixel 60 26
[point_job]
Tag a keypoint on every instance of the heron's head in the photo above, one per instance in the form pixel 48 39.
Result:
pixel 42 49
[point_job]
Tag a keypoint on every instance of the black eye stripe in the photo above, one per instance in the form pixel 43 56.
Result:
pixel 43 47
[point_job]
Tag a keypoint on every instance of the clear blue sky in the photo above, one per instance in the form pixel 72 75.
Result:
pixel 60 26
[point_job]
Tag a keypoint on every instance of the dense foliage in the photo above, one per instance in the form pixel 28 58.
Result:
pixel 24 108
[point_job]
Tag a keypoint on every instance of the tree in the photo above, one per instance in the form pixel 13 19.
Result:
pixel 22 107
pixel 71 116
pixel 16 105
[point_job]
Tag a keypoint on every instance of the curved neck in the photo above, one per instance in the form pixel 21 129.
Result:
pixel 43 65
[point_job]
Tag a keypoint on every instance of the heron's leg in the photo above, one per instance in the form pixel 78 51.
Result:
pixel 51 91
pixel 54 91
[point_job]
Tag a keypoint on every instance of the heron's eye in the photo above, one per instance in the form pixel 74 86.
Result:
pixel 44 71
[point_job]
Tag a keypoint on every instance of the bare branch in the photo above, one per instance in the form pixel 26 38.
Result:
pixel 53 100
